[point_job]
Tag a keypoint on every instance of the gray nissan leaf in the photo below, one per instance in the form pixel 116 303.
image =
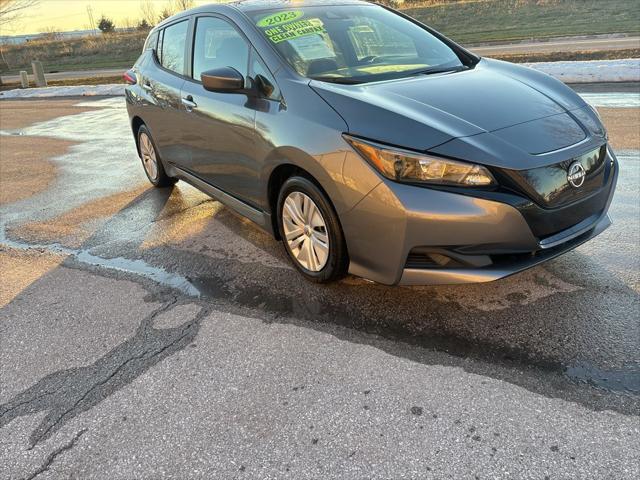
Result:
pixel 368 142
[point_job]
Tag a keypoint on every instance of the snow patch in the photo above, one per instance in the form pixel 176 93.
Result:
pixel 594 71
pixel 109 90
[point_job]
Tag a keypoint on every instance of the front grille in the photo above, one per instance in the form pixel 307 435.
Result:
pixel 549 186
pixel 546 222
pixel 553 205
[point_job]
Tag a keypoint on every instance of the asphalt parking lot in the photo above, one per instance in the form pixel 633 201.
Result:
pixel 150 333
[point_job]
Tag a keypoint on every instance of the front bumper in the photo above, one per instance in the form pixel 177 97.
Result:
pixel 499 269
pixel 395 220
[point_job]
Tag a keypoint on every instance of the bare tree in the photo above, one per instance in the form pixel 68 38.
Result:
pixel 128 23
pixel 165 13
pixel 183 4
pixel 51 32
pixel 174 6
pixel 12 10
pixel 148 11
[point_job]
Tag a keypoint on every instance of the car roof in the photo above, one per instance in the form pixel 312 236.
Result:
pixel 253 5
pixel 258 5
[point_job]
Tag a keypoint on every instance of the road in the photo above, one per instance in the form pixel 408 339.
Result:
pixel 571 44
pixel 152 333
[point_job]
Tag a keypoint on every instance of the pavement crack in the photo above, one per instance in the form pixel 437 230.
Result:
pixel 21 404
pixel 115 372
pixel 53 455
pixel 79 389
pixel 53 425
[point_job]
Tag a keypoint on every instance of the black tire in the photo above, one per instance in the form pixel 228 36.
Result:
pixel 161 178
pixel 338 259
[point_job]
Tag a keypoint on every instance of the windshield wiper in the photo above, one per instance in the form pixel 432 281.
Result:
pixel 431 71
pixel 339 80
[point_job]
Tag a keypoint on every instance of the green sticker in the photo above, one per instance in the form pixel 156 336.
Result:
pixel 279 18
pixel 280 33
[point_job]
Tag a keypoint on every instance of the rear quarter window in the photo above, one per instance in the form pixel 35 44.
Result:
pixel 152 41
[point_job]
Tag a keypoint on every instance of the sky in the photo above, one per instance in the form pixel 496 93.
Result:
pixel 63 15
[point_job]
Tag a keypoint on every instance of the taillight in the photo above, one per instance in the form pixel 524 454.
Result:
pixel 130 77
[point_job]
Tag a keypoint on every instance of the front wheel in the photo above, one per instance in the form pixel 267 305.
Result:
pixel 151 161
pixel 310 231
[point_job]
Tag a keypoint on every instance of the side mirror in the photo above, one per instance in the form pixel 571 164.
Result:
pixel 224 79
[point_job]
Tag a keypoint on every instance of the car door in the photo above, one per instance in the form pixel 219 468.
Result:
pixel 162 81
pixel 221 134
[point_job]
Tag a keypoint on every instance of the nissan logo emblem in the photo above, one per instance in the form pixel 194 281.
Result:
pixel 576 174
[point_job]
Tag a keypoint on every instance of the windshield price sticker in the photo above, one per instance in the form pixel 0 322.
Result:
pixel 311 47
pixel 297 29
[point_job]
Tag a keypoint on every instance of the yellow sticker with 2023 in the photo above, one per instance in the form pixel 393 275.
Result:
pixel 295 29
pixel 279 18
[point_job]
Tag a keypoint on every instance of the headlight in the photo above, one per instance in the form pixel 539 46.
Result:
pixel 405 166
pixel 597 114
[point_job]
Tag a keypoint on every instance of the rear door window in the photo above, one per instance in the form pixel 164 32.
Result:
pixel 173 47
pixel 218 44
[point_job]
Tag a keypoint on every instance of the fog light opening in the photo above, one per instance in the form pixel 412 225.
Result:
pixel 441 260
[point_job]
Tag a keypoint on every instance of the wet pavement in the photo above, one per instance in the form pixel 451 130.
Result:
pixel 150 333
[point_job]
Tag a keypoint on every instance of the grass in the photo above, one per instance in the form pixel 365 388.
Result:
pixel 466 21
pixel 57 55
pixel 470 22
pixel 569 56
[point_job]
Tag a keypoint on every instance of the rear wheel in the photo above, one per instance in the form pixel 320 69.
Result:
pixel 151 161
pixel 310 231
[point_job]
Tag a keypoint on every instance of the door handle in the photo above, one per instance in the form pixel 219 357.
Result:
pixel 189 103
pixel 146 86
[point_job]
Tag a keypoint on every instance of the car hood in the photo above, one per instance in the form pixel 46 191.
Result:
pixel 519 111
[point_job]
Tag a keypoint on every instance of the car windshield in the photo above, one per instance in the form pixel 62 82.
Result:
pixel 354 43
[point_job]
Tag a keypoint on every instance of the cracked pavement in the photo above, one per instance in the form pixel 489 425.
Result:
pixel 150 333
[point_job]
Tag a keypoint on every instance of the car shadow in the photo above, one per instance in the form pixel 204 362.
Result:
pixel 532 342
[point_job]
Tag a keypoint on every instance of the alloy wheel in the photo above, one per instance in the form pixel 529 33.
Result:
pixel 306 231
pixel 149 159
